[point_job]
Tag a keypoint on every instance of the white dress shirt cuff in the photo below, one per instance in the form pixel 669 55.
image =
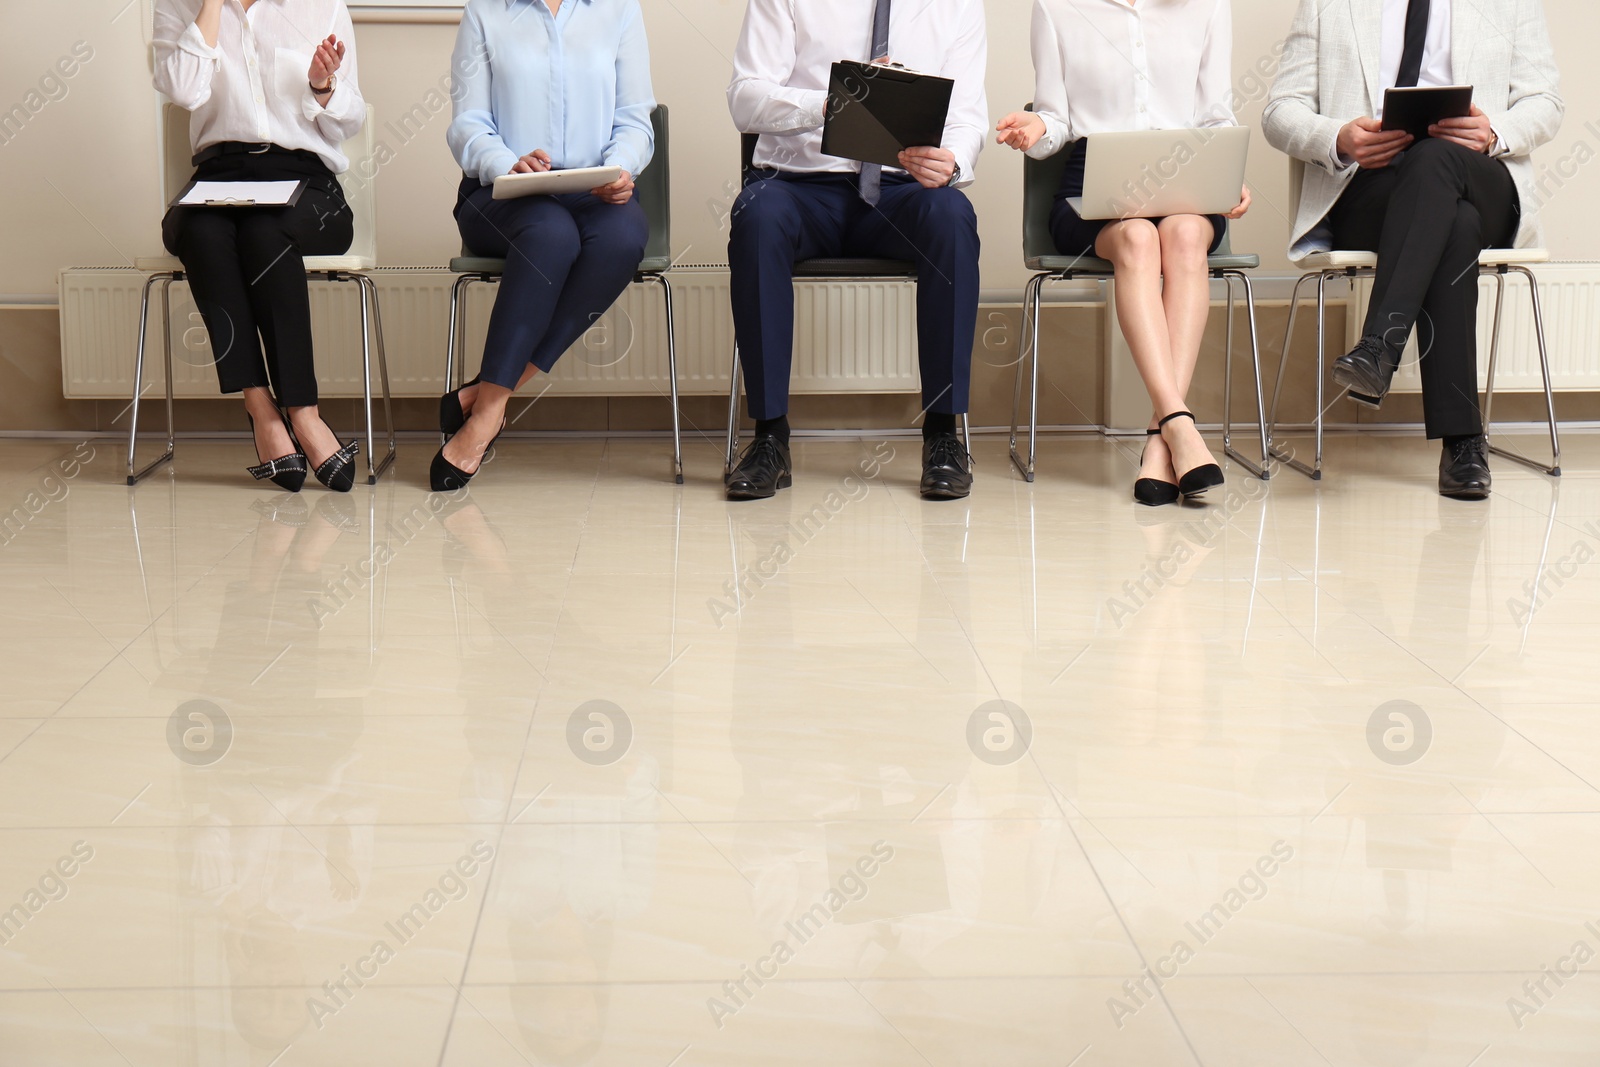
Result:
pixel 1054 138
pixel 193 42
pixel 810 109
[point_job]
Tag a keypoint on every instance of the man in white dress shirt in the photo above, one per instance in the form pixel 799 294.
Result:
pixel 1427 208
pixel 800 204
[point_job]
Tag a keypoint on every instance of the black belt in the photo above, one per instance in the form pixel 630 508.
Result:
pixel 245 148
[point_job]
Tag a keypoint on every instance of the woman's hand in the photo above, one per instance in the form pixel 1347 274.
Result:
pixel 1020 129
pixel 325 61
pixel 932 167
pixel 533 163
pixel 618 192
pixel 1244 205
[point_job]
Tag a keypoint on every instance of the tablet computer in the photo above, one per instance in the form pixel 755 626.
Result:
pixel 1416 108
pixel 544 182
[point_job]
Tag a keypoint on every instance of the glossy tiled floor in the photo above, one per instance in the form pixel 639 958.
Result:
pixel 587 768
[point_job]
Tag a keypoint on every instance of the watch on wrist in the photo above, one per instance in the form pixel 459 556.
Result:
pixel 333 83
pixel 955 175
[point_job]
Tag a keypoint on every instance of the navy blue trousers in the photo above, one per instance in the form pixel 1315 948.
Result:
pixel 782 218
pixel 568 257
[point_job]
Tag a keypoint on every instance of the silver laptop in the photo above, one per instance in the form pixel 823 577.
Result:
pixel 1152 173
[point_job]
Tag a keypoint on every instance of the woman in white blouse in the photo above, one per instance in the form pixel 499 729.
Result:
pixel 1111 65
pixel 272 87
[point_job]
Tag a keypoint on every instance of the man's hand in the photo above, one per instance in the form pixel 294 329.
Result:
pixel 932 167
pixel 1365 141
pixel 1020 129
pixel 1244 205
pixel 533 163
pixel 1471 132
pixel 618 192
pixel 325 61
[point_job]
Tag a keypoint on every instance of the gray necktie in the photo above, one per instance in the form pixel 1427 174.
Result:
pixel 872 173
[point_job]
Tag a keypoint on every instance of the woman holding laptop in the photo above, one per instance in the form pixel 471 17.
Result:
pixel 272 88
pixel 543 85
pixel 1153 65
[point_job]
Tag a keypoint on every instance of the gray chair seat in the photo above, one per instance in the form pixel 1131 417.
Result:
pixel 487 265
pixel 1223 260
pixel 854 268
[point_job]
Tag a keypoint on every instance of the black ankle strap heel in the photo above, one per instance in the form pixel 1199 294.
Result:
pixel 1206 476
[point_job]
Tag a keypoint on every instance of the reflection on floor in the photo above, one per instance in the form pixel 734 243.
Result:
pixel 588 768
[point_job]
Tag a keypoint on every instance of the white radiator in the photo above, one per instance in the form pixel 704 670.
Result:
pixel 850 337
pixel 1570 295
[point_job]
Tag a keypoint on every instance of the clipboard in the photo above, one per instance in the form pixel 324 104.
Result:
pixel 874 110
pixel 242 194
pixel 1416 108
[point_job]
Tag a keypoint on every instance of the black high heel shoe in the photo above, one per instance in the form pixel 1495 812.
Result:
pixel 1153 492
pixel 338 471
pixel 286 472
pixel 446 477
pixel 451 417
pixel 1206 476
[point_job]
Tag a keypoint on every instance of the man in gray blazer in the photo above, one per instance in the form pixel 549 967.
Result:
pixel 1426 208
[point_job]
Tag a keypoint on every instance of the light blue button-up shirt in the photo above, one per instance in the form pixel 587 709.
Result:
pixel 576 84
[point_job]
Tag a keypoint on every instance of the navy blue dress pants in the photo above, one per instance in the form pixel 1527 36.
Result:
pixel 568 257
pixel 781 218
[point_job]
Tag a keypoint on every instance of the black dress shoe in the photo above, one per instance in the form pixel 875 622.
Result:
pixel 451 417
pixel 1153 492
pixel 761 471
pixel 338 471
pixel 1365 371
pixel 946 468
pixel 1464 469
pixel 286 472
pixel 1196 480
pixel 446 477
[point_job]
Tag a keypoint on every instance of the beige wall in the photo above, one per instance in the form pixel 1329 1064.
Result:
pixel 79 179
pixel 79 185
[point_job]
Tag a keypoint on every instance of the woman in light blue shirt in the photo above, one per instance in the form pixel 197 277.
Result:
pixel 543 85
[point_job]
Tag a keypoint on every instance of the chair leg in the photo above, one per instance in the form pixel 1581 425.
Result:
pixel 1554 468
pixel 1261 471
pixel 672 373
pixel 369 294
pixel 454 342
pixel 165 280
pixel 1031 299
pixel 733 412
pixel 1283 362
pixel 1314 472
pixel 1494 348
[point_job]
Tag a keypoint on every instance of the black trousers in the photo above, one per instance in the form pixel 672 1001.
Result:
pixel 1428 215
pixel 244 270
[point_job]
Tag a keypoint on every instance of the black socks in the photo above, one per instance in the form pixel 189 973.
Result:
pixel 1451 440
pixel 778 427
pixel 936 423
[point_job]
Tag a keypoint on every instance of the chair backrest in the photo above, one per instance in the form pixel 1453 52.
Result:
pixel 654 189
pixel 1297 180
pixel 358 181
pixel 1040 180
pixel 747 155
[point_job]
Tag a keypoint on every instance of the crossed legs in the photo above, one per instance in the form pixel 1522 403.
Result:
pixel 1163 325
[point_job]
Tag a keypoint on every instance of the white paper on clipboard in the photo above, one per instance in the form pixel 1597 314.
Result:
pixel 241 194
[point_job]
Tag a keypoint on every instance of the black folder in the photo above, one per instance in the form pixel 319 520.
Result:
pixel 874 110
pixel 1416 108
